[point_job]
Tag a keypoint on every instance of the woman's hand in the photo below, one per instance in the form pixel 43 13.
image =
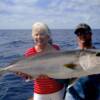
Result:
pixel 42 76
pixel 27 76
pixel 24 75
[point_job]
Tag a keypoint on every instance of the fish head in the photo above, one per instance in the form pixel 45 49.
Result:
pixel 89 59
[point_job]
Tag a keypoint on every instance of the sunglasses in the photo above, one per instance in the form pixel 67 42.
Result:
pixel 82 32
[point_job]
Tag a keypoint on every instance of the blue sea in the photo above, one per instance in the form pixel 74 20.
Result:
pixel 13 44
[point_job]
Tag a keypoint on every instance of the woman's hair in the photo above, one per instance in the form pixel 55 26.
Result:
pixel 42 26
pixel 50 41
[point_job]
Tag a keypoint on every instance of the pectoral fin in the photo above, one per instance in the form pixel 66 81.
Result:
pixel 70 65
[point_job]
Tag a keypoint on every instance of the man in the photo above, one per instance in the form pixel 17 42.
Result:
pixel 84 36
pixel 85 88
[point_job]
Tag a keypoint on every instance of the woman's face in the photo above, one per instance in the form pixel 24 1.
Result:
pixel 40 38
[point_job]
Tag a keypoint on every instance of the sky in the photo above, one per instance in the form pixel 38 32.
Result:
pixel 67 14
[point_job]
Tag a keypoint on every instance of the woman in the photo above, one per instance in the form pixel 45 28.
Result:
pixel 45 88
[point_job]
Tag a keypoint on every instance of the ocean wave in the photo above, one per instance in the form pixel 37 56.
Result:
pixel 6 60
pixel 96 43
pixel 16 43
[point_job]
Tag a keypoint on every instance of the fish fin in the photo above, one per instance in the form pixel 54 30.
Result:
pixel 70 65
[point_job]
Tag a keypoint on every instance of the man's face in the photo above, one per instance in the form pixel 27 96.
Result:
pixel 84 39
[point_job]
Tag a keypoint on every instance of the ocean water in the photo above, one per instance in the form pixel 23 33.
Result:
pixel 13 44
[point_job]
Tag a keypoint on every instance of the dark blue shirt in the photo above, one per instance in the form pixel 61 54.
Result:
pixel 85 88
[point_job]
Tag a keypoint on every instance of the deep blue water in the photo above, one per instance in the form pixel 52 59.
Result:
pixel 13 44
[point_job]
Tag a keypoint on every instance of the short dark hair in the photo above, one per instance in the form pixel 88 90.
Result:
pixel 84 27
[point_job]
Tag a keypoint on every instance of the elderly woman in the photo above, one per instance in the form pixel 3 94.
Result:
pixel 45 88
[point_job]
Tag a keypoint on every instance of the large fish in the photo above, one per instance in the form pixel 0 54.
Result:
pixel 59 65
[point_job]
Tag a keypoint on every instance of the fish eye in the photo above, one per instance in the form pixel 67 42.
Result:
pixel 98 54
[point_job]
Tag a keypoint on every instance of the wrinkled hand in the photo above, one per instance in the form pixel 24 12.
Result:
pixel 24 75
pixel 42 76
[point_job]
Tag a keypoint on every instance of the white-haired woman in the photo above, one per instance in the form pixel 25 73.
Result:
pixel 45 88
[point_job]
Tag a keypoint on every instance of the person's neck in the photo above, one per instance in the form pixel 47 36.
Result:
pixel 42 48
pixel 86 47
